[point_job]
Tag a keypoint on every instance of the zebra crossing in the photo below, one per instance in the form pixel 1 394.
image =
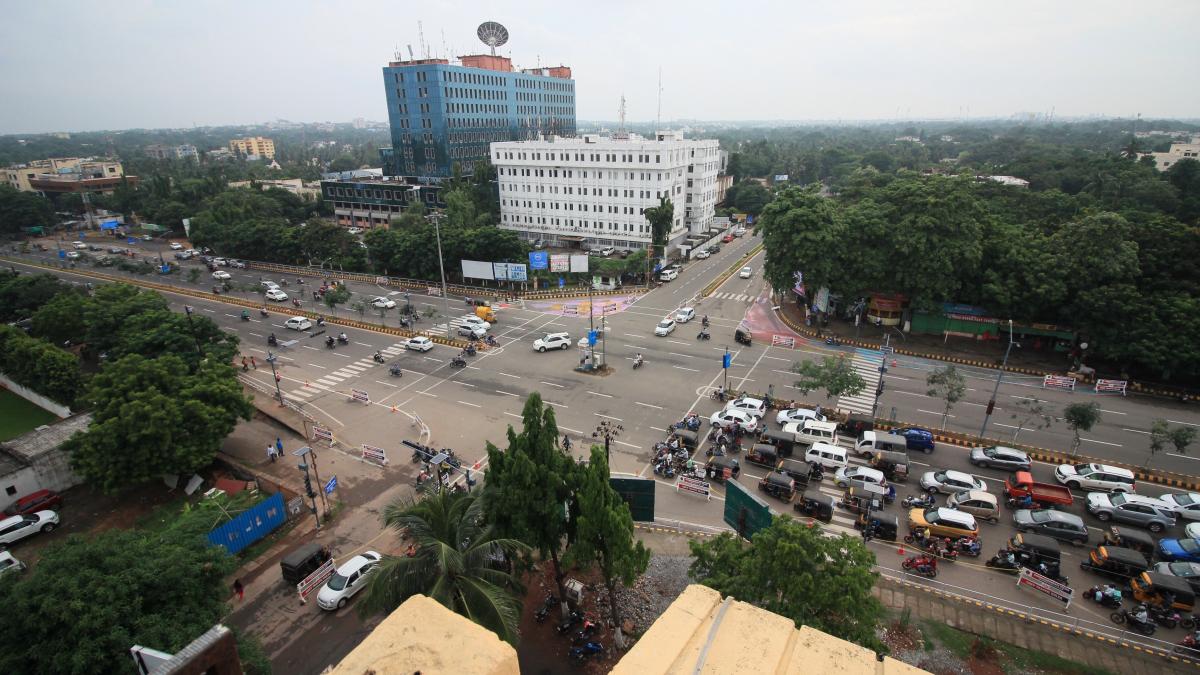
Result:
pixel 725 295
pixel 866 363
pixel 331 381
pixel 440 328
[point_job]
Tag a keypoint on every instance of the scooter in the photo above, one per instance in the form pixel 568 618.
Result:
pixel 396 370
pixel 271 340
pixel 703 335
pixel 832 341
pixel 923 501
pixel 342 339
pixel 544 611
pixel 1126 617
pixel 458 362
pixel 1001 561
pixel 969 546
pixel 330 343
pixel 469 350
pixel 1168 618
pixel 637 363
pixel 264 312
pixel 585 633
pixel 1097 594
pixel 923 565
pixel 586 651
pixel 491 341
pixel 378 357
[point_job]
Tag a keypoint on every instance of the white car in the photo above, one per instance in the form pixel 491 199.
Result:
pixel 858 475
pixel 472 320
pixel 220 262
pixel 664 327
pixel 9 564
pixel 80 245
pixel 949 482
pixel 383 303
pixel 684 314
pixel 669 274
pixel 355 230
pixel 222 275
pixel 746 272
pixel 419 343
pixel 1192 531
pixel 73 255
pixel 728 418
pixel 268 285
pixel 702 254
pixel 176 246
pixel 753 406
pixel 349 579
pixel 276 294
pixel 553 341
pixel 17 528
pixel 607 251
pixel 1186 505
pixel 798 415
pixel 474 332
pixel 298 323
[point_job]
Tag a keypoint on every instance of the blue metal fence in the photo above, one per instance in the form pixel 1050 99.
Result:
pixel 251 525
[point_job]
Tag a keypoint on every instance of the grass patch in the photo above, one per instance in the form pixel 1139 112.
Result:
pixel 1024 660
pixel 940 635
pixel 18 416
pixel 1013 659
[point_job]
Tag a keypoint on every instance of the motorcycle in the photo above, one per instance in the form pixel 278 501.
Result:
pixel 320 321
pixel 263 312
pixel 1190 645
pixel 704 322
pixel 703 335
pixel 923 565
pixel 1167 618
pixel 396 370
pixel 329 342
pixel 832 341
pixel 969 546
pixel 469 350
pixel 665 469
pixel 342 339
pixel 585 652
pixel 458 362
pixel 923 501
pixel 271 340
pixel 491 341
pixel 691 422
pixel 1001 561
pixel 1126 617
pixel 295 302
pixel 544 611
pixel 378 357
pixel 568 623
pixel 933 546
pixel 404 323
pixel 637 363
pixel 1106 599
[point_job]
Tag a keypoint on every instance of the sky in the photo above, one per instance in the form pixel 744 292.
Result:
pixel 67 65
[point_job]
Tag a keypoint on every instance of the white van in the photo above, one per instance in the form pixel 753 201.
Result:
pixel 830 457
pixel 812 431
pixel 873 441
pixel 602 283
pixel 668 274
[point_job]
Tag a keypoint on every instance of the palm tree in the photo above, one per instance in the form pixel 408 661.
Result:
pixel 459 561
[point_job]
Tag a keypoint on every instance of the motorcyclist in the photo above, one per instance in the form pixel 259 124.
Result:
pixel 271 339
pixel 329 341
pixel 342 338
pixel 704 321
pixel 320 321
pixel 637 360
pixel 1025 502
pixel 1008 558
pixel 1141 614
pixel 378 356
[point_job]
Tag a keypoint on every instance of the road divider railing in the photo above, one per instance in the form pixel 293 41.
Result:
pixel 724 276
pixel 250 304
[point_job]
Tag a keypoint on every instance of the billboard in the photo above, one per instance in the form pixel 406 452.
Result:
pixel 539 260
pixel 510 272
pixel 473 269
pixel 781 178
pixel 560 263
pixel 579 263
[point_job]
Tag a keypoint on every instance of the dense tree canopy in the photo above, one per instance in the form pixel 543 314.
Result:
pixel 20 210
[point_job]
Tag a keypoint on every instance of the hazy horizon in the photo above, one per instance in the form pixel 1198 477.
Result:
pixel 75 67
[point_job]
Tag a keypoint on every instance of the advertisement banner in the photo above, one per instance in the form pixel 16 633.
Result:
pixel 821 304
pixel 374 454
pixel 560 263
pixel 474 269
pixel 517 272
pixel 538 260
pixel 579 263
pixel 500 271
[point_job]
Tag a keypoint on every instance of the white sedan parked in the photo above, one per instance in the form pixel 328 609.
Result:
pixel 222 275
pixel 383 303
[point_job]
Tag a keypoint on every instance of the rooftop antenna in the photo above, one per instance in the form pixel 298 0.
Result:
pixel 421 35
pixel 658 115
pixel 410 54
pixel 621 113
pixel 445 52
pixel 492 34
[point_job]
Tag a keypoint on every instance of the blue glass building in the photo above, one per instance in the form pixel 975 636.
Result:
pixel 442 114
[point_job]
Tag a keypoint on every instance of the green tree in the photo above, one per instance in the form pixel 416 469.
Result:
pixel 1081 417
pixel 361 307
pixel 22 294
pixel 801 232
pixel 661 218
pixel 39 365
pixel 834 374
pixel 1031 413
pixel 61 319
pixel 798 572
pixel 604 535
pixel 19 210
pixel 751 197
pixel 456 563
pixel 335 296
pixel 155 416
pixel 947 384
pixel 528 485
pixel 92 597
pixel 1163 435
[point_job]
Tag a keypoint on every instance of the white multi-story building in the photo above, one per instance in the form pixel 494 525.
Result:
pixel 589 192
pixel 1178 151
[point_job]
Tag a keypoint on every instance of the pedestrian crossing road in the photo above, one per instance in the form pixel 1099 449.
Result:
pixel 733 296
pixel 334 379
pixel 866 363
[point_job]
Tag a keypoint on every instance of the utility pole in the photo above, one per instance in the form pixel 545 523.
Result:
pixel 436 217
pixel 271 359
pixel 187 309
pixel 882 372
pixel 303 466
pixel 991 406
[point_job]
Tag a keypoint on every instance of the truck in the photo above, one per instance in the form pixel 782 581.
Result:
pixel 1044 495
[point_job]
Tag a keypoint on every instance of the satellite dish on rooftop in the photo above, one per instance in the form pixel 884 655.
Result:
pixel 492 34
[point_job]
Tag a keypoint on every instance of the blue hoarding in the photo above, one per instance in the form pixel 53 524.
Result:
pixel 539 260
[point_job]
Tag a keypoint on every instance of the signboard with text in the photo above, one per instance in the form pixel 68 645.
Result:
pixel 1045 585
pixel 538 260
pixel 374 454
pixel 560 263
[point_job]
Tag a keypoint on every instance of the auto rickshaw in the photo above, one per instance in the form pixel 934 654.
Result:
pixel 688 438
pixel 1114 562
pixel 743 336
pixel 778 484
pixel 303 561
pixel 855 424
pixel 763 454
pixel 722 468
pixel 1129 538
pixel 894 465
pixel 1162 590
pixel 816 505
pixel 858 500
pixel 1039 553
pixel 784 443
pixel 878 525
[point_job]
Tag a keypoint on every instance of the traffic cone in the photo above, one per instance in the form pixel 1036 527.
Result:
pixel 893 363
pixel 900 550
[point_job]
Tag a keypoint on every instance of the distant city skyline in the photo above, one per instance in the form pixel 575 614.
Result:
pixel 74 66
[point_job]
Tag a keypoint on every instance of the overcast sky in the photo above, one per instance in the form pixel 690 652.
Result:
pixel 68 66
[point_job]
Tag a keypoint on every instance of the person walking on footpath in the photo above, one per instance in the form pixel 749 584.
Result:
pixel 253 363
pixel 238 589
pixel 245 364
pixel 278 446
pixel 271 452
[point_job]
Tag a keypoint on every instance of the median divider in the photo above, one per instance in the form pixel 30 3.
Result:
pixel 724 276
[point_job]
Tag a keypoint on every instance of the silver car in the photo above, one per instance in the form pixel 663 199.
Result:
pixel 1000 457
pixel 949 482
pixel 1051 523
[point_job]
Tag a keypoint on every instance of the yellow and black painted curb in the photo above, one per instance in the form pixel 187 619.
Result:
pixel 230 300
pixel 724 276
pixel 977 363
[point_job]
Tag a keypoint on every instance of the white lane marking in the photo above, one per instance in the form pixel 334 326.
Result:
pixel 388 384
pixel 520 418
pixel 552 384
pixel 312 348
pixel 506 393
pixel 678 342
pixel 1113 412
pixel 609 417
pixel 930 412
pixel 428 394
pixel 686 356
pixel 1089 440
pixel 316 366
pixel 574 431
pixel 556 405
pixel 632 335
pixel 1190 424
pixel 649 405
pixel 515 377
pixel 628 445
pixel 430 358
pixel 1136 431
pixel 596 393
pixel 470 404
pixel 776 358
pixel 907 393
pixel 694 370
pixel 465 384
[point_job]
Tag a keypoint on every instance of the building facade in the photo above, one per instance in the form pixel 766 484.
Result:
pixel 1178 151
pixel 253 145
pixel 442 114
pixel 372 202
pixel 590 192
pixel 66 174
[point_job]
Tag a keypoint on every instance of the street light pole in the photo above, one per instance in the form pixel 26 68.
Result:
pixel 608 431
pixel 271 359
pixel 187 309
pixel 436 218
pixel 992 402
